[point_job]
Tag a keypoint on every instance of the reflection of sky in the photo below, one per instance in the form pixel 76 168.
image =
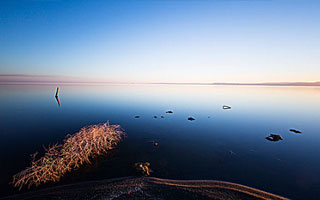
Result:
pixel 31 117
pixel 251 106
pixel 295 102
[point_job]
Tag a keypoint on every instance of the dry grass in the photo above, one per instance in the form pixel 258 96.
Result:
pixel 76 150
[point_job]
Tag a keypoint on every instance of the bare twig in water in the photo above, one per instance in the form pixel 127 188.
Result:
pixel 57 92
pixel 76 150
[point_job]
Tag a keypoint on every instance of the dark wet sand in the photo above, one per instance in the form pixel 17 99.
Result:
pixel 149 188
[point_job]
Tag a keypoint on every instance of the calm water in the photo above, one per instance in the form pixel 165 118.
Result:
pixel 30 117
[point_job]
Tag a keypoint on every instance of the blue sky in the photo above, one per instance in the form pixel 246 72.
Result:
pixel 162 41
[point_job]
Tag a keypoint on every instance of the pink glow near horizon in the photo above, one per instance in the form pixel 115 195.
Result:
pixel 65 79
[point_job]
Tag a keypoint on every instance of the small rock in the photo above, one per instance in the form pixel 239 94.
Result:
pixel 162 116
pixel 231 152
pixel 154 143
pixel 137 116
pixel 226 107
pixel 274 137
pixel 295 131
pixel 155 117
pixel 142 169
pixel 191 118
pixel 169 111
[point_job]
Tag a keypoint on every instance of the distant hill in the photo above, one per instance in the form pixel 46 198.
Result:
pixel 275 84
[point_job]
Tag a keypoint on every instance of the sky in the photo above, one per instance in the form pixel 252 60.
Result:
pixel 204 41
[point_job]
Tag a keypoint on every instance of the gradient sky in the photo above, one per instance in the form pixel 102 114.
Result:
pixel 162 41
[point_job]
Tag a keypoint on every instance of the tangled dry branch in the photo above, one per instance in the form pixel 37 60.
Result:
pixel 76 150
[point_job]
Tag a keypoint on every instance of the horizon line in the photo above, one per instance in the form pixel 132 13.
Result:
pixel 7 79
pixel 157 83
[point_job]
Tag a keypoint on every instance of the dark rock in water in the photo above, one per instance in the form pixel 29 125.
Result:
pixel 295 131
pixel 142 169
pixel 169 111
pixel 191 118
pixel 226 107
pixel 155 117
pixel 154 143
pixel 137 116
pixel 231 152
pixel 274 137
pixel 162 116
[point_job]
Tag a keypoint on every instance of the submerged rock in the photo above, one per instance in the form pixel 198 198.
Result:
pixel 162 116
pixel 169 111
pixel 155 117
pixel 154 143
pixel 226 107
pixel 137 116
pixel 142 169
pixel 274 137
pixel 191 118
pixel 295 131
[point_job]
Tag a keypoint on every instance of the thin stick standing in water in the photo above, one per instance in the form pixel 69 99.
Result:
pixel 57 93
pixel 57 96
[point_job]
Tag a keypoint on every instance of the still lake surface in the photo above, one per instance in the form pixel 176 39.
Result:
pixel 30 117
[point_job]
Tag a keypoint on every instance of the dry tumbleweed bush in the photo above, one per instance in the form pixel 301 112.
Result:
pixel 76 150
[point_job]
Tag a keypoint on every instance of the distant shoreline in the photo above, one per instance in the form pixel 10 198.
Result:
pixel 304 84
pixel 16 79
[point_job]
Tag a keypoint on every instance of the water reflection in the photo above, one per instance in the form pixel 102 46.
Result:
pixel 187 150
pixel 58 101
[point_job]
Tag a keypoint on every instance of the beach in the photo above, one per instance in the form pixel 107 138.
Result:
pixel 150 188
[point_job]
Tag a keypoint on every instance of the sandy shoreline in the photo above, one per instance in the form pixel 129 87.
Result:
pixel 149 188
